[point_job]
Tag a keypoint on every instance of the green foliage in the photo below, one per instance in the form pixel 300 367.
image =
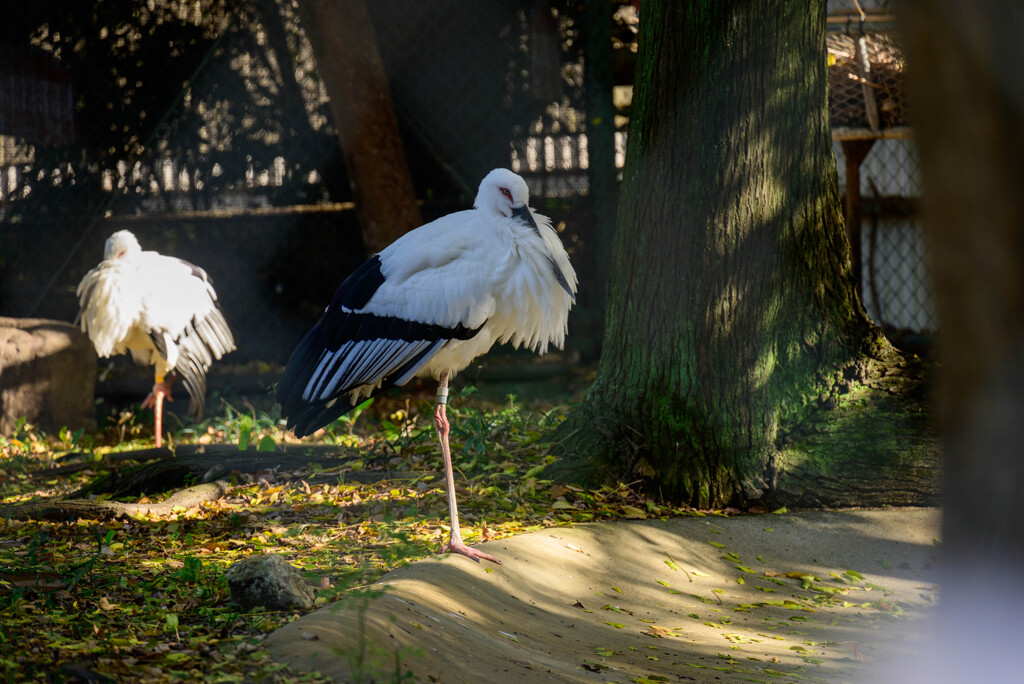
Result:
pixel 350 418
pixel 190 570
pixel 155 588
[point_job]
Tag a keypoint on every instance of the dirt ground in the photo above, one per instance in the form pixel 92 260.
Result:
pixel 817 596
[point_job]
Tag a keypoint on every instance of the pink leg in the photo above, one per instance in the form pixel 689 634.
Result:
pixel 455 543
pixel 155 401
pixel 158 417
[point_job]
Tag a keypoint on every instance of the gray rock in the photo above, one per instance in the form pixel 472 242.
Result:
pixel 47 375
pixel 268 581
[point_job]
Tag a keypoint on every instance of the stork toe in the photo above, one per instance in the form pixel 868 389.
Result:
pixel 469 552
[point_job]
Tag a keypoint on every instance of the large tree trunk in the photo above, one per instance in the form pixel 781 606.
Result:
pixel 733 333
pixel 350 66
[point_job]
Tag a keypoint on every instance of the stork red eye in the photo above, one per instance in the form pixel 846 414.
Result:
pixel 507 193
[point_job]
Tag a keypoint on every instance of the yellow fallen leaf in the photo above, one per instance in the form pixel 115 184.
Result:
pixel 633 513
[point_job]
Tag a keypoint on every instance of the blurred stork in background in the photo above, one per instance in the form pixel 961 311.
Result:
pixel 160 309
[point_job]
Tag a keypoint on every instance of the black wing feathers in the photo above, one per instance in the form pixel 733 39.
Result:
pixel 342 323
pixel 357 289
pixel 308 417
pixel 204 339
pixel 560 278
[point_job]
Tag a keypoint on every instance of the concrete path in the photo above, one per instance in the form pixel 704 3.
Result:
pixel 798 597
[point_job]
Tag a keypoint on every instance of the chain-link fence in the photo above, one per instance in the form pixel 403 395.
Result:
pixel 873 139
pixel 203 127
pixel 197 125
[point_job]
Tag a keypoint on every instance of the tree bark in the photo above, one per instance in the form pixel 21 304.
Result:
pixel 733 321
pixel 351 69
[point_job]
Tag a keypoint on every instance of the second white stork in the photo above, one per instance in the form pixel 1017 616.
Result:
pixel 160 309
pixel 427 305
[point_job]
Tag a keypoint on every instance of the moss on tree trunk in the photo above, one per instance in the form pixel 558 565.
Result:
pixel 733 321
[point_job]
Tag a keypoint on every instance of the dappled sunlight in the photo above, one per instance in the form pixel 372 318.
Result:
pixel 345 519
pixel 739 181
pixel 868 429
pixel 749 598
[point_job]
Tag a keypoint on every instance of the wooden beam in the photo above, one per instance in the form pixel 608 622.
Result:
pixel 841 133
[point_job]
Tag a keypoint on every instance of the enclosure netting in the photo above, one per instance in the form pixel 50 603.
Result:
pixel 203 127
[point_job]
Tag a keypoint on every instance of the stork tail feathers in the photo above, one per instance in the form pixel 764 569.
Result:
pixel 206 340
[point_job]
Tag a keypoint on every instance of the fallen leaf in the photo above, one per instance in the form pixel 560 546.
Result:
pixel 657 632
pixel 558 491
pixel 633 513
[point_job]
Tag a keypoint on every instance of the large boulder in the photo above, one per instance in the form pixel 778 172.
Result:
pixel 47 375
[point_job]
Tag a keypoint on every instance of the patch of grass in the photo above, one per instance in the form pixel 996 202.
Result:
pixel 146 599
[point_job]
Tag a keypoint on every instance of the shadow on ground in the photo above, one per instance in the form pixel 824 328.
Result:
pixel 808 597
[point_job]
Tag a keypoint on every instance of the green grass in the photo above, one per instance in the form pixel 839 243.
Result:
pixel 146 598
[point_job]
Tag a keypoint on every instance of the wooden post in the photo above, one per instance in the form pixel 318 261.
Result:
pixel 350 66
pixel 854 151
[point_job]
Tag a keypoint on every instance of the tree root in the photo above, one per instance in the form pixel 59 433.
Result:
pixel 75 509
pixel 210 466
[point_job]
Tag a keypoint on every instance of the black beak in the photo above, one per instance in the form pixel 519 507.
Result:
pixel 523 214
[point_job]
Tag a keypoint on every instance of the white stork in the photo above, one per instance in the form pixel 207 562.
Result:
pixel 162 310
pixel 427 305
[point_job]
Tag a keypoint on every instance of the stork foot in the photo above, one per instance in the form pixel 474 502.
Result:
pixel 457 546
pixel 163 388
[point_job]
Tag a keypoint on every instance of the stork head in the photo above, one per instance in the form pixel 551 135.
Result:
pixel 506 193
pixel 120 244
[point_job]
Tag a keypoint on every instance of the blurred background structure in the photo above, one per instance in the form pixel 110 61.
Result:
pixel 204 127
pixel 879 174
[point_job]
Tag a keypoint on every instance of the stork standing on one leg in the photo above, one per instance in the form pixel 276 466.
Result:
pixel 163 311
pixel 427 305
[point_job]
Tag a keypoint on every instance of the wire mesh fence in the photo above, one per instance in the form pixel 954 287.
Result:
pixel 203 127
pixel 868 102
pixel 865 79
pixel 895 277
